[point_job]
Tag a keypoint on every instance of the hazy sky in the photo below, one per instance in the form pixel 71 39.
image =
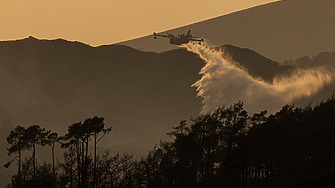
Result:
pixel 106 21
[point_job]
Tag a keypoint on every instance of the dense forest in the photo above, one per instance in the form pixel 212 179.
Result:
pixel 295 147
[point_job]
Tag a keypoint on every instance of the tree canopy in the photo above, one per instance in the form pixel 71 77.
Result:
pixel 294 147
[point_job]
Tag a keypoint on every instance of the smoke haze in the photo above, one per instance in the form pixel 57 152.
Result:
pixel 223 82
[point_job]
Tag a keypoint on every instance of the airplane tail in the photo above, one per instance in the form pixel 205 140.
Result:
pixel 188 33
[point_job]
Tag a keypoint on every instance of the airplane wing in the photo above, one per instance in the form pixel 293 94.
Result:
pixel 199 40
pixel 159 35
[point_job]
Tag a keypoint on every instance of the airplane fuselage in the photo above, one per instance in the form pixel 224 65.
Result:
pixel 179 41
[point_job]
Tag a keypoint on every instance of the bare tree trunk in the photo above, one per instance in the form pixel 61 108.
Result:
pixel 82 164
pixel 95 159
pixel 53 160
pixel 78 161
pixel 71 172
pixel 86 165
pixel 106 172
pixel 34 162
pixel 20 168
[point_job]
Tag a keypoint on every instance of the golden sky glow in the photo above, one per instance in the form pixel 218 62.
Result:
pixel 106 21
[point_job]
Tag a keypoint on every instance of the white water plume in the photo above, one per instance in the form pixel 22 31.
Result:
pixel 224 83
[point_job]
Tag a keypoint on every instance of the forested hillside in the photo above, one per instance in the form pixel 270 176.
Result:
pixel 294 147
pixel 49 85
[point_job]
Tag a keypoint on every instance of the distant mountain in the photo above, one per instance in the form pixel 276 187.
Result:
pixel 257 65
pixel 56 83
pixel 142 95
pixel 321 59
pixel 280 31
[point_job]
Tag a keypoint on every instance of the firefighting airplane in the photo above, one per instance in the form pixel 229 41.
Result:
pixel 181 39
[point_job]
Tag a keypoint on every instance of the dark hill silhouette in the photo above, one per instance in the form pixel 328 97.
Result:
pixel 141 94
pixel 256 64
pixel 280 30
pixel 55 83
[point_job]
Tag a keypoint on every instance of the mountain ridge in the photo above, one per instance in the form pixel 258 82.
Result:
pixel 250 59
pixel 142 95
pixel 279 30
pixel 65 72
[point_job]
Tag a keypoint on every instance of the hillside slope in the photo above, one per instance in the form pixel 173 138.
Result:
pixel 142 95
pixel 56 83
pixel 280 30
